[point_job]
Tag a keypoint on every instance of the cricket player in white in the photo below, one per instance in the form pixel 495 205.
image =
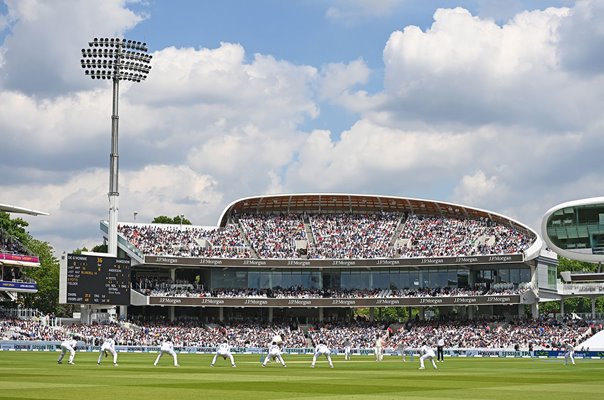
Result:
pixel 68 346
pixel 224 351
pixel 379 349
pixel 274 353
pixel 167 347
pixel 569 353
pixel 108 347
pixel 426 353
pixel 321 350
pixel 402 351
pixel 347 349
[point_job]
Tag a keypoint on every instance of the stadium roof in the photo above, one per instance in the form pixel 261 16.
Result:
pixel 20 210
pixel 333 202
pixel 340 202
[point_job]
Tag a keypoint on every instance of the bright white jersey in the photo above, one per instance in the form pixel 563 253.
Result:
pixel 167 346
pixel 273 349
pixel 427 351
pixel 109 342
pixel 441 342
pixel 569 347
pixel 277 339
pixel 378 342
pixel 223 348
pixel 322 349
pixel 69 343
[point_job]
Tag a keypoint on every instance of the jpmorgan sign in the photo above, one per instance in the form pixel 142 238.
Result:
pixel 391 262
pixel 349 302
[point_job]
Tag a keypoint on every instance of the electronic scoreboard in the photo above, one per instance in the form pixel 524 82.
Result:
pixel 96 279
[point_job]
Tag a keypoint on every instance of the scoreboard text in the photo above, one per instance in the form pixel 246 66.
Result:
pixel 98 280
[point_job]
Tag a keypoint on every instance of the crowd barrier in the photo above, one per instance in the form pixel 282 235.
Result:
pixel 17 345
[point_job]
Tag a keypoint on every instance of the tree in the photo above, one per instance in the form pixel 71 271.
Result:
pixel 14 227
pixel 47 277
pixel 178 220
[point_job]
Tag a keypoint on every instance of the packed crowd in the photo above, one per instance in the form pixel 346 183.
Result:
pixel 482 334
pixel 353 236
pixel 274 236
pixel 437 236
pixel 187 241
pixel 331 236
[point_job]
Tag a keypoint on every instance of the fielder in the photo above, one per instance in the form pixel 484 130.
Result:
pixel 274 353
pixel 321 350
pixel 224 351
pixel 167 347
pixel 68 346
pixel 569 353
pixel 108 347
pixel 426 353
pixel 379 349
pixel 347 349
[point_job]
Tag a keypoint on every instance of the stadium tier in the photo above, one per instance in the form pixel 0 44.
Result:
pixel 315 257
pixel 13 256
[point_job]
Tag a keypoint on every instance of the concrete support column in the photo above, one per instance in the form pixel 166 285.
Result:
pixel 422 313
pixel 270 314
pixel 123 313
pixel 562 307
pixel 371 314
pixel 220 314
pixel 321 316
pixel 534 277
pixel 593 308
pixel 173 274
pixel 171 313
pixel 535 310
pixel 470 312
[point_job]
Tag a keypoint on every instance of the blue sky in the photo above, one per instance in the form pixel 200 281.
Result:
pixel 492 104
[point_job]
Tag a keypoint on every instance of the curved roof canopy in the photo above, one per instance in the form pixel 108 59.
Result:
pixel 20 210
pixel 332 202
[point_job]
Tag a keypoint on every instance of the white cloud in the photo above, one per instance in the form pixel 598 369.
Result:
pixel 473 188
pixel 77 206
pixel 472 71
pixel 41 50
pixel 338 78
pixel 582 38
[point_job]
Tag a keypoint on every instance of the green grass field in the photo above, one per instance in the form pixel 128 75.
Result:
pixel 31 375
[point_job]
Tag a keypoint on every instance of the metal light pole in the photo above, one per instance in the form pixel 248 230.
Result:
pixel 118 60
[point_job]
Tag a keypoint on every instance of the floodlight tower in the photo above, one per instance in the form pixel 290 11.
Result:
pixel 118 60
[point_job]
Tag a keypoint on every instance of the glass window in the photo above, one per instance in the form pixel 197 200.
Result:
pixel 504 275
pixel 253 278
pixel 463 278
pixel 277 279
pixel 395 279
pixel 296 278
pixel 515 275
pixel 264 281
pixel 452 277
pixel 381 280
pixel 404 279
pixel 525 275
pixel 414 282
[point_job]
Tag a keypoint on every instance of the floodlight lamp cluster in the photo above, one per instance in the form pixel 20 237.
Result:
pixel 117 59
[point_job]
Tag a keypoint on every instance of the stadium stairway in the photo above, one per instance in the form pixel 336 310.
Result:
pixel 594 343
